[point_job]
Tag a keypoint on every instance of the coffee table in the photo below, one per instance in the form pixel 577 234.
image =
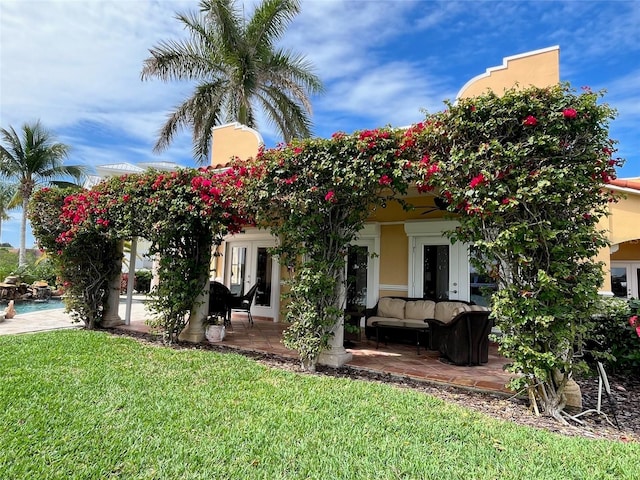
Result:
pixel 381 325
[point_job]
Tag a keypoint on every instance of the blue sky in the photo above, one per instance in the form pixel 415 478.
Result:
pixel 75 65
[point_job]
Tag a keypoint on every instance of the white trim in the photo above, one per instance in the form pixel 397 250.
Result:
pixel 430 232
pixel 250 234
pixel 394 288
pixel 369 236
pixel 504 66
pixel 240 126
pixel 428 228
pixel 622 189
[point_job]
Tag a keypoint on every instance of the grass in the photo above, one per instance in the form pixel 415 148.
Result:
pixel 87 405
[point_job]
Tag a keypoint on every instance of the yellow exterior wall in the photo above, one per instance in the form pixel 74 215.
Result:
pixel 394 257
pixel 540 68
pixel 629 252
pixel 624 219
pixel 233 140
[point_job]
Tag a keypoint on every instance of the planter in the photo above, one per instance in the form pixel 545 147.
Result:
pixel 215 333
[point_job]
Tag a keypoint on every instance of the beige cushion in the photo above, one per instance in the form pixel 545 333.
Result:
pixel 415 323
pixel 419 309
pixel 391 307
pixel 446 311
pixel 478 308
pixel 386 320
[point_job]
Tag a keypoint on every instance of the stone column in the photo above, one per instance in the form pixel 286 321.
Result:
pixel 336 356
pixel 111 317
pixel 194 331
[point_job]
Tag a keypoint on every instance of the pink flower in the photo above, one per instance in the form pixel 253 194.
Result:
pixel 331 197
pixel 384 180
pixel 633 320
pixel 477 180
pixel 291 180
pixel 530 121
pixel 569 113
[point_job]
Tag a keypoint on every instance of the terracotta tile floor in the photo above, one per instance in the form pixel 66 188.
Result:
pixel 393 358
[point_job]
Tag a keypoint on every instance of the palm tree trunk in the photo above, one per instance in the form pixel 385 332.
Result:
pixel 22 257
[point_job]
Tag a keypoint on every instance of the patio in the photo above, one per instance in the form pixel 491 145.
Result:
pixel 395 358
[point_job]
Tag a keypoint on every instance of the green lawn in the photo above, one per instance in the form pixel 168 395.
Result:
pixel 86 405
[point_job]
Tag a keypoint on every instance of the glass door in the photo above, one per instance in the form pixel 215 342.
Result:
pixel 249 263
pixel 625 279
pixel 440 270
pixel 435 271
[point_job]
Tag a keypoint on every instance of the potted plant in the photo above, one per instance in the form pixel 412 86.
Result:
pixel 214 328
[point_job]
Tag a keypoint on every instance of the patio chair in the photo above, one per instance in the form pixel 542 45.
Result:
pixel 465 339
pixel 244 302
pixel 220 302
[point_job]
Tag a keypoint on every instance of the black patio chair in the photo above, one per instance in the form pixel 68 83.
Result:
pixel 220 302
pixel 244 302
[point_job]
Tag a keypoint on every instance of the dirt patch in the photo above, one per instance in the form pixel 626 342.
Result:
pixel 619 420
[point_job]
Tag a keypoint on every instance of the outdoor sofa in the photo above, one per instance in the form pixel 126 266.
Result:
pixel 459 330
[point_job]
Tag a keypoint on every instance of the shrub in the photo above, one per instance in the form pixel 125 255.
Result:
pixel 613 340
pixel 143 281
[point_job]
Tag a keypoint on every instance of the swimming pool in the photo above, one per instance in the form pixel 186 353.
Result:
pixel 28 307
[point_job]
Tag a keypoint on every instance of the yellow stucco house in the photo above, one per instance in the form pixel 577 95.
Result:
pixel 412 257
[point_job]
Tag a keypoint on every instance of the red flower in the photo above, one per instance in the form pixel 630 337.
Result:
pixel 477 180
pixel 633 320
pixel 384 180
pixel 569 113
pixel 331 197
pixel 530 121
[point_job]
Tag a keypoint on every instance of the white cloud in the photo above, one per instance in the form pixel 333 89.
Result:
pixel 82 59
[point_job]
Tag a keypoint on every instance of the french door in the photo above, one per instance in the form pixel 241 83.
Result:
pixel 248 263
pixel 361 275
pixel 437 268
pixel 625 279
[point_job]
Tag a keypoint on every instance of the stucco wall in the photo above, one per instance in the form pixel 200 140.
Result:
pixel 540 68
pixel 231 140
pixel 394 255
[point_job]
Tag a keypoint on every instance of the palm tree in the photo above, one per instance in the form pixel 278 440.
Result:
pixel 238 70
pixel 31 160
pixel 7 192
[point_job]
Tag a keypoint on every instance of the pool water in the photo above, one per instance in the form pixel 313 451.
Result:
pixel 29 307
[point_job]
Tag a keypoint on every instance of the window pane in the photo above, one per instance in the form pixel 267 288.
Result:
pixel 238 267
pixel 619 282
pixel 263 277
pixel 435 283
pixel 357 260
pixel 481 286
